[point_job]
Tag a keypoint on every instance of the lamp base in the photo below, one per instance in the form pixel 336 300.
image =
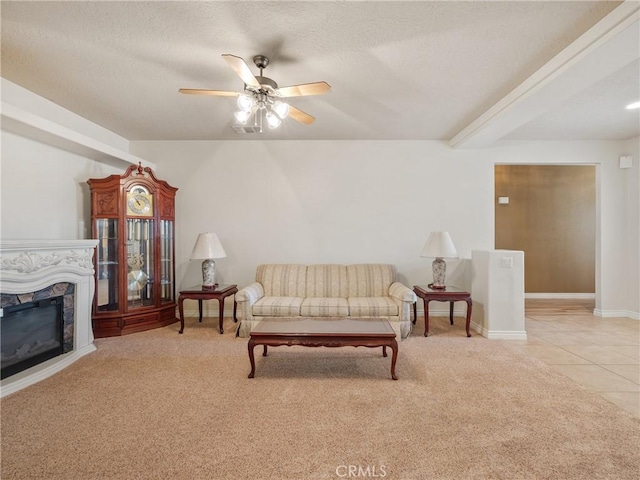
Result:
pixel 437 287
pixel 209 273
pixel 439 273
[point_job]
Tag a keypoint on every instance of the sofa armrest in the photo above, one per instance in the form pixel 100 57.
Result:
pixel 246 297
pixel 402 293
pixel 251 293
pixel 404 298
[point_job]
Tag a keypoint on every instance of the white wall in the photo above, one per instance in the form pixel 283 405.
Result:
pixel 44 194
pixel 365 201
pixel 325 201
pixel 44 191
pixel 498 294
pixel 314 202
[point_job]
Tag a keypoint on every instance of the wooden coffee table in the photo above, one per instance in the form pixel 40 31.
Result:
pixel 311 332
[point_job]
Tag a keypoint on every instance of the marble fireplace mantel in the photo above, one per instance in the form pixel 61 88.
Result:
pixel 31 265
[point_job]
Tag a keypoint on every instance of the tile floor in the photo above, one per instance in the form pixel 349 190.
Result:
pixel 602 354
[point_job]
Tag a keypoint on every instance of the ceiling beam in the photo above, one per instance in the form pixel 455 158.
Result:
pixel 608 46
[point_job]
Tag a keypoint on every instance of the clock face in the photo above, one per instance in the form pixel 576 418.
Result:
pixel 139 202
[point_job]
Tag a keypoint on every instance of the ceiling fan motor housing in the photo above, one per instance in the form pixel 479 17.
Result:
pixel 261 61
pixel 266 81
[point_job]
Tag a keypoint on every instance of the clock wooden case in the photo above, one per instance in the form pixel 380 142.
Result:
pixel 133 217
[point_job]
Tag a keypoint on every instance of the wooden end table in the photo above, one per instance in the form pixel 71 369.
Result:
pixel 200 293
pixel 448 294
pixel 313 332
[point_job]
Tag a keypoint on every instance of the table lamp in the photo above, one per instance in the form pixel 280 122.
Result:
pixel 440 246
pixel 208 247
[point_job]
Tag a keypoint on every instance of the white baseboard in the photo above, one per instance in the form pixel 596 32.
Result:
pixel 505 335
pixel 499 334
pixel 560 296
pixel 616 313
pixel 44 370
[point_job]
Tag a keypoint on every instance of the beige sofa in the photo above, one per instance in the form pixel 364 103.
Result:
pixel 291 290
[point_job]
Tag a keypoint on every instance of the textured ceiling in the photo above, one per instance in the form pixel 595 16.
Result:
pixel 398 70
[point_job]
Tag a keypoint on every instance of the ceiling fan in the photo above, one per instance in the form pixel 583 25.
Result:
pixel 262 96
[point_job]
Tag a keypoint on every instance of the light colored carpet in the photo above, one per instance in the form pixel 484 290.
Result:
pixel 158 405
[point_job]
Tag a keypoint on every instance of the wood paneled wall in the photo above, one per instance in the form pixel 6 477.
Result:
pixel 550 216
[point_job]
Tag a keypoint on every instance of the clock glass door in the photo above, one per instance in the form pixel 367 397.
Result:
pixel 166 260
pixel 140 264
pixel 107 264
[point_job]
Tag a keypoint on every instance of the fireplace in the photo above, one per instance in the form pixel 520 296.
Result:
pixel 33 327
pixel 46 293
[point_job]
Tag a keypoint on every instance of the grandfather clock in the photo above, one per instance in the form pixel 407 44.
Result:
pixel 133 217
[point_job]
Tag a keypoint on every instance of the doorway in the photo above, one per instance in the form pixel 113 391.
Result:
pixel 549 212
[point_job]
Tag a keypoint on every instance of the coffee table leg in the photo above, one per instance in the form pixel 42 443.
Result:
pixel 468 317
pixel 394 357
pixel 384 350
pixel 264 351
pixel 252 344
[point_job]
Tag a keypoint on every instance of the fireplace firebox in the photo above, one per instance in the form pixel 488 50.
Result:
pixel 31 333
pixel 36 326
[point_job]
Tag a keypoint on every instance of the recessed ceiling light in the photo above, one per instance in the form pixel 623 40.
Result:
pixel 631 106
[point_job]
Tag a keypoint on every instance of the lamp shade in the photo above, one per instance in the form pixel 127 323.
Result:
pixel 439 245
pixel 207 246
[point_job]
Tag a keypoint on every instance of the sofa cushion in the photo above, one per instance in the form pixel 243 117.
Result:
pixel 324 307
pixel 283 280
pixel 370 280
pixel 327 281
pixel 372 307
pixel 277 307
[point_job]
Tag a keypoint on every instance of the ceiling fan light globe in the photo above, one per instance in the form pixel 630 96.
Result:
pixel 281 109
pixel 242 116
pixel 272 120
pixel 245 102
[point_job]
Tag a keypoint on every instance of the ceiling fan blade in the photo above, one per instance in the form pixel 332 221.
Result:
pixel 242 70
pixel 316 88
pixel 300 116
pixel 215 93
